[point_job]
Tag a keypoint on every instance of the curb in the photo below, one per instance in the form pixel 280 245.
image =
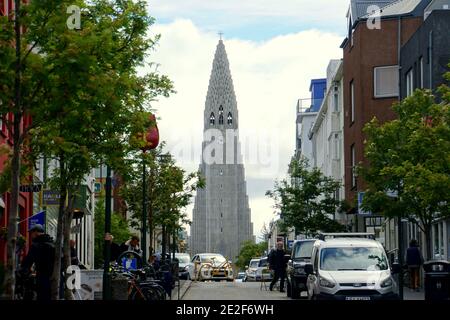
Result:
pixel 184 289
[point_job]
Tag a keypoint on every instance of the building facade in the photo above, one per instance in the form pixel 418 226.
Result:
pixel 326 134
pixel 221 215
pixel 424 60
pixel 306 115
pixel 371 83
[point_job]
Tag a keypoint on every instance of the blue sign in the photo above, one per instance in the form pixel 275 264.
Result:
pixel 360 200
pixel 290 243
pixel 129 264
pixel 38 218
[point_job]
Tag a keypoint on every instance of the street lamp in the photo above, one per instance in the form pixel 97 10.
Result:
pixel 151 141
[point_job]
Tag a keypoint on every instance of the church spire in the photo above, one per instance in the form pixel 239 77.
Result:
pixel 221 98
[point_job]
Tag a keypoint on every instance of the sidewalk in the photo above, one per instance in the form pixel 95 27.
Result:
pixel 408 294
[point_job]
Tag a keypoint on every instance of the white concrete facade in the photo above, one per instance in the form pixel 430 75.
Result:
pixel 326 133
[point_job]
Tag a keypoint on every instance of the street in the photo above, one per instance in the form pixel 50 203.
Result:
pixel 231 291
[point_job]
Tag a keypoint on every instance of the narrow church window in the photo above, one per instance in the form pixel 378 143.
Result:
pixel 221 229
pixel 212 119
pixel 230 118
pixel 220 110
pixel 221 119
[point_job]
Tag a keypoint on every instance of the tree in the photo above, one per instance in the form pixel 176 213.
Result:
pixel 169 191
pixel 250 250
pixel 83 92
pixel 409 171
pixel 307 199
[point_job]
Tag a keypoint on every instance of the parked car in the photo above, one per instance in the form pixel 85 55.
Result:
pixel 183 265
pixel 210 266
pixel 240 277
pixel 295 272
pixel 263 266
pixel 350 268
pixel 250 272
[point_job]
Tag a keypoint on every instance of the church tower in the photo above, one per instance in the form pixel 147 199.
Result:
pixel 221 215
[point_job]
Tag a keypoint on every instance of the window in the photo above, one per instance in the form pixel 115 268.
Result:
pixel 212 119
pixel 421 72
pixel 409 82
pixel 352 101
pixel 336 147
pixel 229 119
pixel 221 119
pixel 385 81
pixel 336 99
pixel 353 165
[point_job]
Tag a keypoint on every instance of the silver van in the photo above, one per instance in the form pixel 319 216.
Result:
pixel 350 268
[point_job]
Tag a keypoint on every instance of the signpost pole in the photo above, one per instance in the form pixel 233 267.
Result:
pixel 107 252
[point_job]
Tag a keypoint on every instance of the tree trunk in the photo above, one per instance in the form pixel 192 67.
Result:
pixel 68 295
pixel 10 270
pixel 56 278
pixel 428 246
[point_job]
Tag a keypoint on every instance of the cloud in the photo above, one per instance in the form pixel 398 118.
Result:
pixel 267 16
pixel 268 76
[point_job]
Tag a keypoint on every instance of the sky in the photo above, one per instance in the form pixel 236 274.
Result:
pixel 274 48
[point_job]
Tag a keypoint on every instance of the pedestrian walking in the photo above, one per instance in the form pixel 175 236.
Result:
pixel 414 261
pixel 277 263
pixel 42 256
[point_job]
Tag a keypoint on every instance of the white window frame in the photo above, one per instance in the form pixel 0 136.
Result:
pixel 375 69
pixel 409 82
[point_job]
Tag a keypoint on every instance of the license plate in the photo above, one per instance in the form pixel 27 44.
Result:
pixel 357 298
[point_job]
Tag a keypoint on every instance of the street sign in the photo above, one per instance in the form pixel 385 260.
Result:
pixel 290 244
pixel 360 200
pixel 50 198
pixel 30 188
pixel 38 218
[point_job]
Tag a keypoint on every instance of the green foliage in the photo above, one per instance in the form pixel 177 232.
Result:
pixel 306 199
pixel 250 250
pixel 409 172
pixel 169 189
pixel 119 229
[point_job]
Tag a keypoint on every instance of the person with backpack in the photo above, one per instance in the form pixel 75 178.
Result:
pixel 414 260
pixel 42 256
pixel 278 264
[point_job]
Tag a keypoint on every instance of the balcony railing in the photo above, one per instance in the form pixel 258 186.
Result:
pixel 305 105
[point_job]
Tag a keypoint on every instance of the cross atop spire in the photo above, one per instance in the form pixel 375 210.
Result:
pixel 220 34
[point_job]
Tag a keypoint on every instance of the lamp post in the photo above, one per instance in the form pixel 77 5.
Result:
pixel 151 141
pixel 108 240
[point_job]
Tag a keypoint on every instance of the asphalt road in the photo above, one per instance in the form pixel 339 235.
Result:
pixel 231 291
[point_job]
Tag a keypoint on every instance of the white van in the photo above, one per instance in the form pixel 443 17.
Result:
pixel 350 268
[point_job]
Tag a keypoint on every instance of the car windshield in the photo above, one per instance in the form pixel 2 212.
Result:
pixel 353 258
pixel 254 263
pixel 263 263
pixel 213 259
pixel 303 250
pixel 183 259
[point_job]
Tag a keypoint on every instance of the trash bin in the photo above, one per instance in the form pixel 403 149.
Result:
pixel 119 288
pixel 437 280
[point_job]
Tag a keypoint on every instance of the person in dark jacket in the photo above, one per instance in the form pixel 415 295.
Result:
pixel 277 263
pixel 414 260
pixel 42 256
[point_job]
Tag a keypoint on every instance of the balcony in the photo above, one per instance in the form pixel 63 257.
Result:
pixel 308 105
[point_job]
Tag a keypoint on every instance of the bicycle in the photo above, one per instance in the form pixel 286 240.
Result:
pixel 140 288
